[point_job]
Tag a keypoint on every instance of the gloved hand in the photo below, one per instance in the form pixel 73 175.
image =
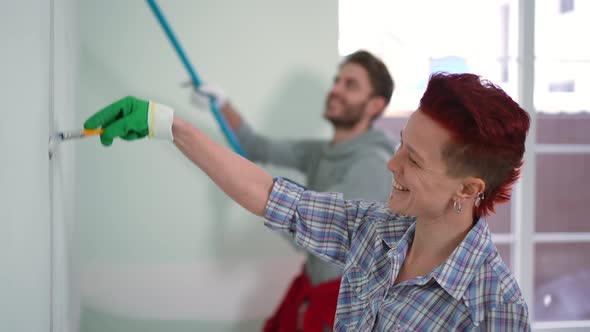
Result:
pixel 200 96
pixel 131 118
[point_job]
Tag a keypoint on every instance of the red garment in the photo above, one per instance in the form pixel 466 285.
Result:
pixel 321 303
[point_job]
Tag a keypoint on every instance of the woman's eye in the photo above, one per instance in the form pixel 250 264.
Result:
pixel 413 161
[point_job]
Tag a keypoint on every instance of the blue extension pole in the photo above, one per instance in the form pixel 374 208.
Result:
pixel 229 134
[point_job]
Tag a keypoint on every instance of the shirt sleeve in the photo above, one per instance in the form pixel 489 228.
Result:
pixel 288 153
pixel 507 317
pixel 323 223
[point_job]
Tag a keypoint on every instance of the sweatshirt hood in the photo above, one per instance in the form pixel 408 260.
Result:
pixel 373 137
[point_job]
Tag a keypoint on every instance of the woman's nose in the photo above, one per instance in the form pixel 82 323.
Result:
pixel 394 164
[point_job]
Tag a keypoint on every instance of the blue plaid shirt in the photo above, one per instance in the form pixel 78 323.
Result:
pixel 472 290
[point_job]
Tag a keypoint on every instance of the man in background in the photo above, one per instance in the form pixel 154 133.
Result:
pixel 351 162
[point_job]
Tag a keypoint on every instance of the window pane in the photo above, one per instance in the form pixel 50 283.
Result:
pixel 504 251
pixel 566 6
pixel 562 68
pixel 500 221
pixel 414 42
pixel 392 125
pixel 563 194
pixel 563 128
pixel 562 282
pixel 562 85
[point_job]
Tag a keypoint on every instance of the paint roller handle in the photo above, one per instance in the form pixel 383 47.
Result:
pixel 92 132
pixel 76 134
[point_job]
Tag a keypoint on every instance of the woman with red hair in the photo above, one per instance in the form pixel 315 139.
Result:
pixel 422 261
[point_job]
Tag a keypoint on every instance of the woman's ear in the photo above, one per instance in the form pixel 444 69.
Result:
pixel 471 187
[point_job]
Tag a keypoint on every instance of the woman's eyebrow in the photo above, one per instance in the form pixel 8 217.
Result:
pixel 410 147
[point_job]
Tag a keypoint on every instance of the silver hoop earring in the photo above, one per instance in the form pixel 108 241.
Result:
pixel 457 207
pixel 480 197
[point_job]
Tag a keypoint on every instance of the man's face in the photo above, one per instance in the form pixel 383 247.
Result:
pixel 348 98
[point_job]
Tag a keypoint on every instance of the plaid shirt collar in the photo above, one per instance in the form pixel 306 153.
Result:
pixel 469 256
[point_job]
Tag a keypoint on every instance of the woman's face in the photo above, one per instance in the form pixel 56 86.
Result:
pixel 421 186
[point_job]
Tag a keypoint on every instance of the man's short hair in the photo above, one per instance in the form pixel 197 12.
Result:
pixel 381 81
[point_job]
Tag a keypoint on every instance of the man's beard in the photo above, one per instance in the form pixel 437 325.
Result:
pixel 351 115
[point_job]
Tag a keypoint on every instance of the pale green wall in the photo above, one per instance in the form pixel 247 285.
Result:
pixel 144 212
pixel 25 242
pixel 25 252
pixel 38 278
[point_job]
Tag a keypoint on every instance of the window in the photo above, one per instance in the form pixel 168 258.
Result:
pixel 414 42
pixel 566 6
pixel 420 37
pixel 562 86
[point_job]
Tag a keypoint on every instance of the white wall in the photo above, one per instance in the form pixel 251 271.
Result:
pixel 161 248
pixel 25 253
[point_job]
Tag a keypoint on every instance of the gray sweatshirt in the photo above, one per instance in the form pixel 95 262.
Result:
pixel 356 168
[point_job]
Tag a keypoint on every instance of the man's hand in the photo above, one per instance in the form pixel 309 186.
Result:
pixel 131 118
pixel 200 97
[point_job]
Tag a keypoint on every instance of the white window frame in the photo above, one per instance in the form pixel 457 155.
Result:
pixel 523 204
pixel 523 201
pixel 523 238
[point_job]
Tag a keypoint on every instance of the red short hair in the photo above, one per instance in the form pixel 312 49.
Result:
pixel 488 131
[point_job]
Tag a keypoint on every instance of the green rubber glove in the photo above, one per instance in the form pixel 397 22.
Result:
pixel 132 118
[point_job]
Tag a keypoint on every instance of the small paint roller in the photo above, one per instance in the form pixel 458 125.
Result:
pixel 68 135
